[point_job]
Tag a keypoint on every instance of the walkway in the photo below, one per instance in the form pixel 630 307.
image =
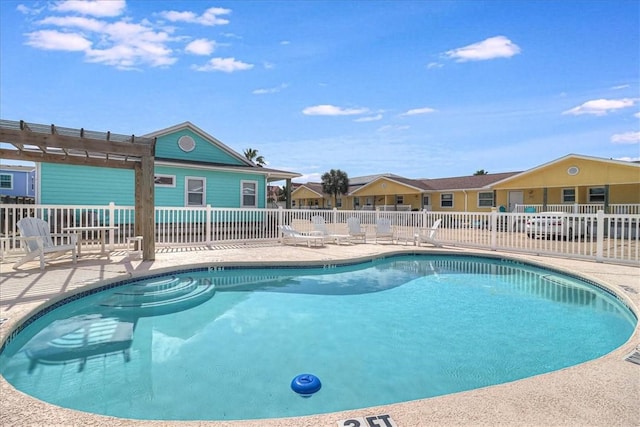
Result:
pixel 603 392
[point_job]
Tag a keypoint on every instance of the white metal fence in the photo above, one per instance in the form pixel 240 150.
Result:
pixel 599 236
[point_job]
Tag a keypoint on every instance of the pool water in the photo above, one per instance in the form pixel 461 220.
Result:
pixel 226 343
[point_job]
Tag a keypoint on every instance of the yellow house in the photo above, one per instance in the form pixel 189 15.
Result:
pixel 572 180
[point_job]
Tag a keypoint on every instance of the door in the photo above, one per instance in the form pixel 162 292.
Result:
pixel 515 198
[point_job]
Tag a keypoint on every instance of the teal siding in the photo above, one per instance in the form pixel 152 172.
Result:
pixel 222 188
pixel 85 185
pixel 167 148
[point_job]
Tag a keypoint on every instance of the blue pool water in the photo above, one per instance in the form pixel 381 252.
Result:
pixel 226 344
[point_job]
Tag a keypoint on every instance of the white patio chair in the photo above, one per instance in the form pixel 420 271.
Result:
pixel 38 241
pixel 355 230
pixel 321 227
pixel 428 235
pixel 384 230
pixel 291 236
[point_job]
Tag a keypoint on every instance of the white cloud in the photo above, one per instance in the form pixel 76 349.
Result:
pixel 620 87
pixel 201 47
pixel 491 48
pixel 369 118
pixel 56 40
pixel 417 111
pixel 629 159
pixel 109 8
pixel 432 65
pixel 270 90
pixel 626 138
pixel 600 107
pixel 392 128
pixel 227 65
pixel 332 110
pixel 637 115
pixel 210 17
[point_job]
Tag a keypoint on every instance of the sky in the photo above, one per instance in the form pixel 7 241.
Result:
pixel 421 89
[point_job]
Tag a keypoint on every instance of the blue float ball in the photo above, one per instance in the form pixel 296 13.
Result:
pixel 306 384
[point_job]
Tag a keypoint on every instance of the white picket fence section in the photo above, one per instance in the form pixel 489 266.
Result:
pixel 605 237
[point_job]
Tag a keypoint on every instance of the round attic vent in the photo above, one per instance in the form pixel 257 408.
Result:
pixel 186 143
pixel 573 170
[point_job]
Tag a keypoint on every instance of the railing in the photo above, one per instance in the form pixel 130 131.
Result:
pixel 596 236
pixel 614 208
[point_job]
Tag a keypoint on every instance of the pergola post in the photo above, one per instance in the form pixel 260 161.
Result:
pixel 145 207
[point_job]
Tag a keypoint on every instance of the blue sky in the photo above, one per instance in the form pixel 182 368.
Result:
pixel 422 89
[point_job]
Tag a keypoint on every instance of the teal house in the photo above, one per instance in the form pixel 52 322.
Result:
pixel 192 169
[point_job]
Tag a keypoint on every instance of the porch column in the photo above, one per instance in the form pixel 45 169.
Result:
pixel 606 198
pixel 288 192
pixel 544 199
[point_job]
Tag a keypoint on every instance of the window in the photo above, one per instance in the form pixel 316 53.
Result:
pixel 399 200
pixel 426 201
pixel 164 180
pixel 568 195
pixel 596 195
pixel 249 194
pixel 485 199
pixel 6 181
pixel 194 191
pixel 446 200
pixel 339 202
pixel 356 202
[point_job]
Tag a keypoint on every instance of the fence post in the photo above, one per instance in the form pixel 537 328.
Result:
pixel 112 221
pixel 334 215
pixel 494 229
pixel 207 227
pixel 600 236
pixel 279 222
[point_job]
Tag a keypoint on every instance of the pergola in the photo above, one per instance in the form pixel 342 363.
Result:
pixel 52 144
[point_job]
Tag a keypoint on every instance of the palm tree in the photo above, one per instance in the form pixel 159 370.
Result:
pixel 335 182
pixel 252 156
pixel 481 172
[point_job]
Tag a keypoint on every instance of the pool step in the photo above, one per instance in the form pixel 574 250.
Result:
pixel 161 297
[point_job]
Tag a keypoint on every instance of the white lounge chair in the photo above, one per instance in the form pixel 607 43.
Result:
pixel 321 227
pixel 384 231
pixel 291 236
pixel 38 241
pixel 355 230
pixel 428 235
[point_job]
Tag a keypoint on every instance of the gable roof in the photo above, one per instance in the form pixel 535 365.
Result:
pixel 414 184
pixel 470 182
pixel 564 158
pixel 314 187
pixel 190 126
pixel 245 166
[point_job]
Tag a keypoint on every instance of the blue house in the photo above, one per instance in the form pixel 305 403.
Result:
pixel 17 181
pixel 192 169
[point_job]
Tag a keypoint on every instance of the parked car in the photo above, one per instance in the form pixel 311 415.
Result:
pixel 555 225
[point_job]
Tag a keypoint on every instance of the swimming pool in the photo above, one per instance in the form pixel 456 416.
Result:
pixel 384 331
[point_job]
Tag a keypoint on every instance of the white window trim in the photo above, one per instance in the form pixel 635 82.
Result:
pixel 10 181
pixel 173 180
pixel 255 184
pixel 492 199
pixel 452 201
pixel 186 189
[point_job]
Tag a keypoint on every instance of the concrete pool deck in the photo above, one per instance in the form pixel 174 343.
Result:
pixel 601 392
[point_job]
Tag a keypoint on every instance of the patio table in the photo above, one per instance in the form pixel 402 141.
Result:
pixel 81 232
